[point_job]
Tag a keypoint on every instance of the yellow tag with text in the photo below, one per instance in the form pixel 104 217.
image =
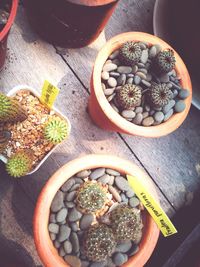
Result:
pixel 49 94
pixel 152 206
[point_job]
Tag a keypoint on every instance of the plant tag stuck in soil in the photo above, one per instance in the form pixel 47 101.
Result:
pixel 49 94
pixel 152 206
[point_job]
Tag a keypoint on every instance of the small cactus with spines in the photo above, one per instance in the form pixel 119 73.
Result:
pixel 56 130
pixel 159 94
pixel 10 110
pixel 130 53
pixel 99 242
pixel 91 197
pixel 4 139
pixel 129 96
pixel 165 61
pixel 20 163
pixel 126 223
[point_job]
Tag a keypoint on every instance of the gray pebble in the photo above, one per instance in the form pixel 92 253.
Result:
pixel 143 71
pixel 85 263
pixel 67 185
pixel 61 215
pixel 130 114
pixel 52 218
pixel 116 61
pixel 130 75
pixel 109 67
pixel 114 74
pixel 159 116
pixel 180 106
pixel 105 75
pixel 62 252
pixel 183 93
pixel 141 65
pixel 74 226
pixel 57 202
pixel 133 250
pixel 137 80
pixel 167 107
pixel 145 114
pixel 111 180
pixel 104 179
pixel 53 228
pixel 147 108
pixel 130 81
pixel 112 172
pixel 98 264
pixel 144 56
pixel 124 69
pixel 149 77
pixel 122 183
pixel 124 197
pixel 86 221
pixel 164 78
pixel 103 86
pixel 123 247
pixel 147 84
pixel 97 173
pixel 168 114
pixel 57 244
pixel 52 236
pixel 142 45
pixel 115 108
pixel 75 242
pixel 67 247
pixel 70 196
pixel 130 193
pixel 135 69
pixel 73 261
pixel 114 192
pixel 110 98
pixel 141 75
pixel 121 80
pixel 158 48
pixel 134 202
pixel 83 174
pixel 139 110
pixel 114 54
pixel 75 187
pixel 148 121
pixel 175 93
pixel 152 52
pixel 74 215
pixel 152 112
pixel 119 258
pixel 70 204
pixel 78 180
pixel 64 233
pixel 138 119
pixel 175 85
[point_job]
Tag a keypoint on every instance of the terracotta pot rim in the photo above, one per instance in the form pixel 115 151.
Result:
pixel 92 2
pixel 152 131
pixel 45 248
pixel 11 18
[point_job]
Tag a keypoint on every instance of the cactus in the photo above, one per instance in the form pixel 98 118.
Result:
pixel 129 96
pixel 56 130
pixel 159 94
pixel 20 163
pixel 165 61
pixel 91 197
pixel 126 223
pixel 4 138
pixel 99 242
pixel 130 53
pixel 10 110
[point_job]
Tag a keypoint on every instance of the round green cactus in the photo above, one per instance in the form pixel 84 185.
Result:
pixel 159 95
pixel 56 130
pixel 10 110
pixel 4 139
pixel 165 61
pixel 130 53
pixel 20 163
pixel 129 96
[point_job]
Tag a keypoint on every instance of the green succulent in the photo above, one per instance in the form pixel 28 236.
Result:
pixel 99 242
pixel 159 94
pixel 129 96
pixel 165 61
pixel 126 223
pixel 10 110
pixel 4 139
pixel 130 53
pixel 91 197
pixel 20 163
pixel 56 130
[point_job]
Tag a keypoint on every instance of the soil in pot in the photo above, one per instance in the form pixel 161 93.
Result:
pixel 96 219
pixel 140 82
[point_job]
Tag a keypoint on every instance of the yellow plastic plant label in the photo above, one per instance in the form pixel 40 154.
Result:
pixel 49 94
pixel 152 206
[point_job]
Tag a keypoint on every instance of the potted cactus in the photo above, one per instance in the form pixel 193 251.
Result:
pixel 87 215
pixel 29 131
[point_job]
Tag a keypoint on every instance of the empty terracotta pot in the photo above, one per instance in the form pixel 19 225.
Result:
pixel 106 117
pixel 44 245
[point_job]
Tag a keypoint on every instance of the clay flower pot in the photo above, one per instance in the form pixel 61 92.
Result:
pixel 106 117
pixel 44 245
pixel 4 33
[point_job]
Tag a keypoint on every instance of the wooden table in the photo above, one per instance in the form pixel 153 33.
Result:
pixel 173 162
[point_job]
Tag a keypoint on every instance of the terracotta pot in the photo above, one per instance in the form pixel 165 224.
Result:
pixel 44 245
pixel 4 33
pixel 106 117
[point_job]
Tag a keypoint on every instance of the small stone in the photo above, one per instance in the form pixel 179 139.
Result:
pixel 149 77
pixel 122 183
pixel 141 75
pixel 114 54
pixel 61 215
pixel 78 180
pixel 141 65
pixel 104 179
pixel 180 106
pixel 85 263
pixel 170 105
pixel 62 252
pixel 130 81
pixel 116 61
pixel 75 242
pixel 175 85
pixel 175 93
pixel 115 108
pixel 70 196
pixel 109 67
pixel 124 198
pixel 112 179
pixel 147 84
pixel 112 82
pixel 142 45
pixel 73 261
pixel 138 119
pixel 74 215
pixel 134 202
pixel 124 69
pixel 145 114
pixel 130 193
pixel 57 202
pixel 152 112
pixel 183 93
pixel 74 226
pixel 133 250
pixel 152 52
pixel 70 204
pixel 57 244
pixel 105 75
pixel 110 98
pixel 53 228
pixel 148 121
pixel 121 79
pixel 143 71
pixel 67 247
pixel 75 187
pixel 103 86
pixel 67 185
pixel 168 114
pixel 86 221
pixel 114 74
pixel 130 114
pixel 158 48
pixel 112 172
pixel 144 56
pixel 52 218
pixel 137 80
pixel 135 69
pixel 98 264
pixel 164 78
pixel 119 258
pixel 139 110
pixel 97 173
pixel 114 192
pixel 52 236
pixel 83 174
pixel 147 108
pixel 130 75
pixel 123 247
pixel 159 116
pixel 64 233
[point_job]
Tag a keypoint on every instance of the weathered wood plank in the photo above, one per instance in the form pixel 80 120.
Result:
pixel 173 160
